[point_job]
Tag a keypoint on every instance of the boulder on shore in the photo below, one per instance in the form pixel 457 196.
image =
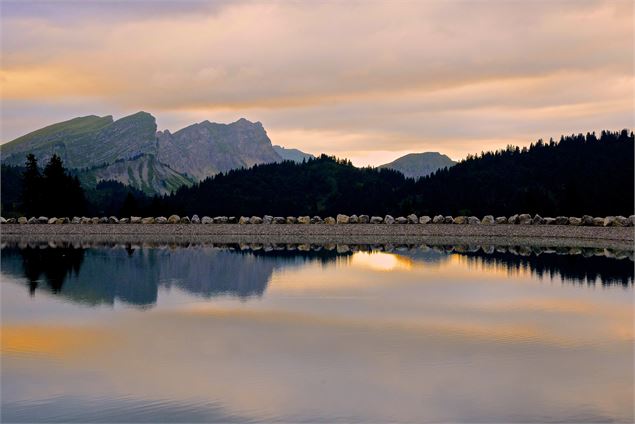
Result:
pixel 267 219
pixel 135 220
pixel 124 220
pixel 376 220
pixel 196 219
pixel 438 219
pixel 255 220
pixel 412 219
pixel 524 219
pixel 598 222
pixel 22 220
pixel 185 220
pixel 460 220
pixel 388 219
pixel 33 220
pixel 562 220
pixel 513 220
pixel 448 219
pixel 316 220
pixel 113 220
pixel 537 220
pixel 174 219
pixel 291 220
pixel 353 219
pixel 501 220
pixel 342 219
pixel 424 219
pixel 279 220
pixel 52 220
pixel 574 220
pixel 550 221
pixel 472 220
pixel 587 220
pixel 161 220
pixel 329 220
pixel 364 219
pixel 401 220
pixel 304 220
pixel 243 220
pixel 147 220
pixel 42 220
pixel 76 220
pixel 631 220
pixel 488 220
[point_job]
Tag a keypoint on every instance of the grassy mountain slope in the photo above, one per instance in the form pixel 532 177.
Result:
pixel 416 165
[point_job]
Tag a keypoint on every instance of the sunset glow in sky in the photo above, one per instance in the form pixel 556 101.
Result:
pixel 368 80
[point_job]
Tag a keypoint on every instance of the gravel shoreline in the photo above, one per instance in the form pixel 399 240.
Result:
pixel 504 235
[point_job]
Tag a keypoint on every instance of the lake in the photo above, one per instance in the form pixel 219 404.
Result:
pixel 310 333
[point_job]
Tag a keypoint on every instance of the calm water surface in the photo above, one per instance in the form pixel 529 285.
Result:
pixel 164 334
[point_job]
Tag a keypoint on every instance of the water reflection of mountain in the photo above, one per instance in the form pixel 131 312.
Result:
pixel 569 268
pixel 134 276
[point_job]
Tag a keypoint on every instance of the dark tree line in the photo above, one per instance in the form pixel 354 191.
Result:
pixel 52 192
pixel 579 174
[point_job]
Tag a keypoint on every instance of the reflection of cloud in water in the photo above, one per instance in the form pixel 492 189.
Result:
pixel 134 275
pixel 82 409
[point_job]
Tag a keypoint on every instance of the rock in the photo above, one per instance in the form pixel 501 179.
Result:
pixel 488 220
pixel 219 220
pixel 316 220
pixel 61 221
pixel 94 220
pixel 184 220
pixel 85 220
pixel 448 219
pixel 329 220
pixel 501 220
pixel 124 220
pixel 292 220
pixel 412 219
pixel 376 220
pixel 562 220
pixel 401 220
pixel 353 219
pixel 424 219
pixel 537 220
pixel 304 220
pixel 207 220
pixel 113 220
pixel 255 220
pixel 3 220
pixel 33 220
pixel 389 219
pixel 621 221
pixel 232 220
pixel 598 222
pixel 364 219
pixel 11 221
pixel 438 219
pixel 513 220
pixel 22 220
pixel 135 220
pixel 460 220
pixel 195 219
pixel 103 220
pixel 587 220
pixel 609 221
pixel 631 220
pixel 51 221
pixel 472 220
pixel 550 221
pixel 76 220
pixel 267 219
pixel 148 220
pixel 342 219
pixel 279 220
pixel 161 220
pixel 524 219
pixel 42 220
pixel 573 220
pixel 174 219
pixel 243 220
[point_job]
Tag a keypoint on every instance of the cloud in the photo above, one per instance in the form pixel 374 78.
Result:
pixel 381 76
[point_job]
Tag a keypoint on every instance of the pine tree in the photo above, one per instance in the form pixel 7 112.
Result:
pixel 32 200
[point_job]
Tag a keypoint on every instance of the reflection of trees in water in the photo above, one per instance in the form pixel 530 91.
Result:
pixel 134 274
pixel 569 268
pixel 53 266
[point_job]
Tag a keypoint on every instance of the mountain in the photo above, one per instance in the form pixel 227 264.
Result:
pixel 416 165
pixel 294 155
pixel 131 150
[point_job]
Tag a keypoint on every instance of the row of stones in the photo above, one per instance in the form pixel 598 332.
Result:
pixel 522 219
pixel 344 248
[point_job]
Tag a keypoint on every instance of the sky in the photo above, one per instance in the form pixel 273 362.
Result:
pixel 367 80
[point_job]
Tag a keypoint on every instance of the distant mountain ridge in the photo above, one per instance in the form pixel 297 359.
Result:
pixel 417 165
pixel 131 150
pixel 294 155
